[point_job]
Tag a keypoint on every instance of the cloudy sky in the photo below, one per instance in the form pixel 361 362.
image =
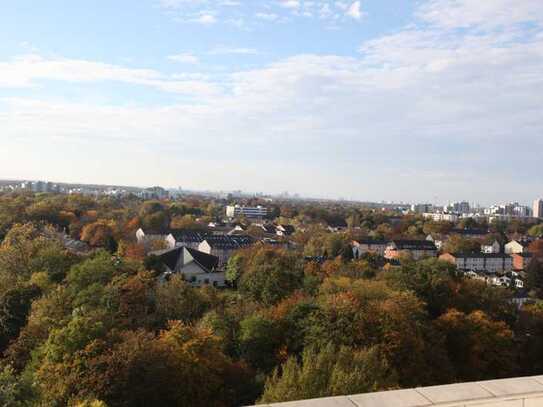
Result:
pixel 374 99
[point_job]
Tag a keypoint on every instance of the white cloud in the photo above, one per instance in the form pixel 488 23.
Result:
pixel 267 16
pixel 421 102
pixel 291 4
pixel 354 11
pixel 29 70
pixel 206 19
pixel 184 58
pixel 484 14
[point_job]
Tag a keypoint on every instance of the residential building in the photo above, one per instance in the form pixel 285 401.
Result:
pixel 487 262
pixel 151 241
pixel 438 239
pixel 441 217
pixel 222 246
pixel 188 238
pixel 233 211
pixel 517 246
pixel 538 208
pixel 196 267
pixel 470 233
pixel 521 260
pixel 363 246
pixel 495 247
pixel 417 249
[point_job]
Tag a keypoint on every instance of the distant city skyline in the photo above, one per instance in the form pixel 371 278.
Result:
pixel 263 193
pixel 369 100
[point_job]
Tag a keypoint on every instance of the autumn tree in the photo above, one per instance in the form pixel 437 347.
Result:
pixel 329 372
pixel 478 347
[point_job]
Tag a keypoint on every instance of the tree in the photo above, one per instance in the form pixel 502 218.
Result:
pixel 430 279
pixel 478 347
pixel 270 274
pixel 178 300
pixel 536 248
pixel 366 313
pixel 14 309
pixel 259 342
pixel 529 334
pixel 99 234
pixel 14 391
pixel 534 277
pixel 329 372
pixel 536 231
pixel 181 366
pixel 459 244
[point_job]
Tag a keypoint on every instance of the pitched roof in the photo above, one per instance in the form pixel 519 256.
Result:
pixel 229 242
pixel 469 232
pixel 372 241
pixel 171 257
pixel 482 255
pixel 189 236
pixel 207 261
pixel 403 244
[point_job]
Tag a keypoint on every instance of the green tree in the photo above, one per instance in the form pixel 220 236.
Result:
pixel 329 372
pixel 270 275
pixel 14 309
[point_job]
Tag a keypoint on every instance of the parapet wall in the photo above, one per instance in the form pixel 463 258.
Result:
pixel 517 392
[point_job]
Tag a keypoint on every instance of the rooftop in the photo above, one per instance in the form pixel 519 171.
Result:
pixel 516 392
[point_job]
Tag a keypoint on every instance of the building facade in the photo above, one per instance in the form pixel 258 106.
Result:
pixel 487 262
pixel 538 208
pixel 233 211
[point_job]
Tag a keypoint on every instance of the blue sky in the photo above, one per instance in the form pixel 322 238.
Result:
pixel 372 99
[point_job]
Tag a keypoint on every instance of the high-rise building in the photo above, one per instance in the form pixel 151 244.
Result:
pixel 538 208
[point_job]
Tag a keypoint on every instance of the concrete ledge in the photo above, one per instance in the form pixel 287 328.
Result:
pixel 516 392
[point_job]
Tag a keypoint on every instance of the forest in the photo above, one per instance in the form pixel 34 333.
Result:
pixel 98 327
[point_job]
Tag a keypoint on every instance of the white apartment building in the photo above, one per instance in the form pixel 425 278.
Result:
pixel 439 217
pixel 233 211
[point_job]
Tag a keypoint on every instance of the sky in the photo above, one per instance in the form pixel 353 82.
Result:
pixel 396 100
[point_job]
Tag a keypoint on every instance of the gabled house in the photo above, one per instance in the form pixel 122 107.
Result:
pixel 495 247
pixel 418 249
pixel 196 267
pixel 517 246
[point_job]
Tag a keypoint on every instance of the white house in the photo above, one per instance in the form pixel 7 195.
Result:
pixel 196 267
pixel 491 248
pixel 517 246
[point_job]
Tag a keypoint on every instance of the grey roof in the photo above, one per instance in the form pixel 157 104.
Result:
pixel 171 257
pixel 482 255
pixel 189 236
pixel 403 244
pixel 229 242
